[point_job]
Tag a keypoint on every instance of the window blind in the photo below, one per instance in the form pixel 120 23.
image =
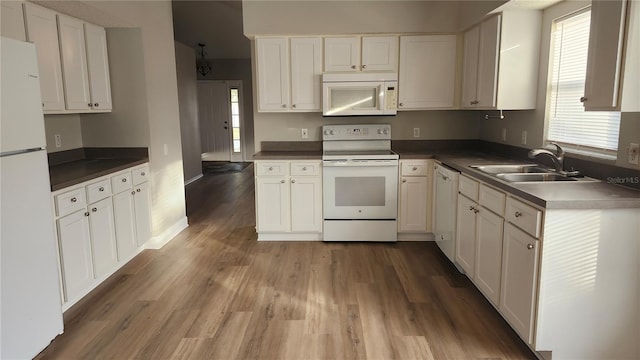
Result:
pixel 568 122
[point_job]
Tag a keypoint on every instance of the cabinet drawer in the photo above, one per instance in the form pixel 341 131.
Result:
pixel 492 199
pixel 468 187
pixel 524 216
pixel 70 201
pixel 305 168
pixel 414 168
pixel 98 190
pixel 121 182
pixel 140 174
pixel 272 168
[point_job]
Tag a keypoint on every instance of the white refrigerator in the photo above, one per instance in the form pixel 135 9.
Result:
pixel 30 303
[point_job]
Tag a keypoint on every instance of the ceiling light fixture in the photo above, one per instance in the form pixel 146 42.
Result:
pixel 202 65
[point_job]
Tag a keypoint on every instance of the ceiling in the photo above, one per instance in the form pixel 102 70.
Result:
pixel 218 24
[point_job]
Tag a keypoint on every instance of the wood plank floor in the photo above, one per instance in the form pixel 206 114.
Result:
pixel 214 292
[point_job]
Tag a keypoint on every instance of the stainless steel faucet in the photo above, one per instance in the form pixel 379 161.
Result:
pixel 557 158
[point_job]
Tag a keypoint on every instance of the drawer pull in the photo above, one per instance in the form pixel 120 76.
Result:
pixel 137 190
pixel 270 168
pixel 404 180
pixel 530 246
pixel 517 214
pixel 101 189
pixel 475 210
pixel 282 181
pixel 133 193
pixel 415 168
pixel 74 200
pixel 124 180
pixel 304 168
pixel 471 208
pixel 94 209
pixel 143 174
pixel 293 181
pixel 86 213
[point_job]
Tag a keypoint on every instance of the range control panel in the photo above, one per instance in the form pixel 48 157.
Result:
pixel 356 132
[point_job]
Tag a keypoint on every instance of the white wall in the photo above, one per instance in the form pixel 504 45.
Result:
pixel 188 100
pixel 68 127
pixel 533 122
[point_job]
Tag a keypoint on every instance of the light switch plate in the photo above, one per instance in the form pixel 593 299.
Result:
pixel 416 132
pixel 634 150
pixel 304 133
pixel 58 138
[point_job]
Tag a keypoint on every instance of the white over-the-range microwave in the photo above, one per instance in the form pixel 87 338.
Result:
pixel 348 94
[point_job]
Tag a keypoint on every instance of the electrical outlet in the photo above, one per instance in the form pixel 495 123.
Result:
pixel 416 132
pixel 58 138
pixel 166 149
pixel 304 133
pixel 504 134
pixel 634 150
pixel 524 137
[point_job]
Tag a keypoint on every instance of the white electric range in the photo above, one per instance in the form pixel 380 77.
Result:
pixel 360 183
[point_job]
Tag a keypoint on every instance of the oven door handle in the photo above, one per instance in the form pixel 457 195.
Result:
pixel 359 163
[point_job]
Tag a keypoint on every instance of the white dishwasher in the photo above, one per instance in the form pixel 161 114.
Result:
pixel 444 216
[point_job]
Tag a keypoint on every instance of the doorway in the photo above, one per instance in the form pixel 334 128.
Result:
pixel 220 106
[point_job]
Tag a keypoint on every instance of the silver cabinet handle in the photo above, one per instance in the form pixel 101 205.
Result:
pixel 304 168
pixel 137 190
pixel 364 66
pixel 94 209
pixel 96 104
pixel 74 200
pixel 517 214
pixel 475 211
pixel 293 106
pixel 474 102
pixel 404 180
pixel 353 66
pixel 86 213
pixel 401 104
pixel 101 189
pixel 415 168
pixel 293 181
pixel 133 193
pixel 143 173
pixel 270 168
pixel 530 246
pixel 124 180
pixel 282 181
pixel 284 106
pixel 89 104
pixel 583 99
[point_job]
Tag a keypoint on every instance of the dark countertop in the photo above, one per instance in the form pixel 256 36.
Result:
pixel 86 165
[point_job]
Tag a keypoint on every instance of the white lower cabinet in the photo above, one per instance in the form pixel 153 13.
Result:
pixel 75 253
pixel 98 232
pixel 479 238
pixel 288 200
pixel 519 280
pixel 414 199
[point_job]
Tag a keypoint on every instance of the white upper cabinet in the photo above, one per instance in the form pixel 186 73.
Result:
pixel 12 20
pixel 98 67
pixel 306 74
pixel 427 72
pixel 604 59
pixel 367 53
pixel 631 85
pixel 500 68
pixel 42 31
pixel 289 74
pixel 74 63
pixel 272 55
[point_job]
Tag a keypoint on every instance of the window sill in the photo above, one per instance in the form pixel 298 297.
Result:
pixel 585 154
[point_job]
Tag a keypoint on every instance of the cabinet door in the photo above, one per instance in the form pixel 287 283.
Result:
pixel 12 20
pixel 470 68
pixel 412 216
pixel 489 254
pixel 306 204
pixel 124 219
pixel 604 59
pixel 272 204
pixel 306 74
pixel 142 205
pixel 342 54
pixel 42 30
pixel 75 250
pixel 488 56
pixel 519 280
pixel 427 72
pixel 103 237
pixel 466 235
pixel 98 65
pixel 74 63
pixel 273 74
pixel 379 53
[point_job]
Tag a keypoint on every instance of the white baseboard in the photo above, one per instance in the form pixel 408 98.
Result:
pixel 415 237
pixel 157 242
pixel 197 177
pixel 290 237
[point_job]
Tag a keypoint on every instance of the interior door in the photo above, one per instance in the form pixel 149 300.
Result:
pixel 213 112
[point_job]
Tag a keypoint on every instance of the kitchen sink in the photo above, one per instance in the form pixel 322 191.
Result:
pixel 534 177
pixel 510 169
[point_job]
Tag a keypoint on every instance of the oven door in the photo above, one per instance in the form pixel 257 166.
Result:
pixel 360 189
